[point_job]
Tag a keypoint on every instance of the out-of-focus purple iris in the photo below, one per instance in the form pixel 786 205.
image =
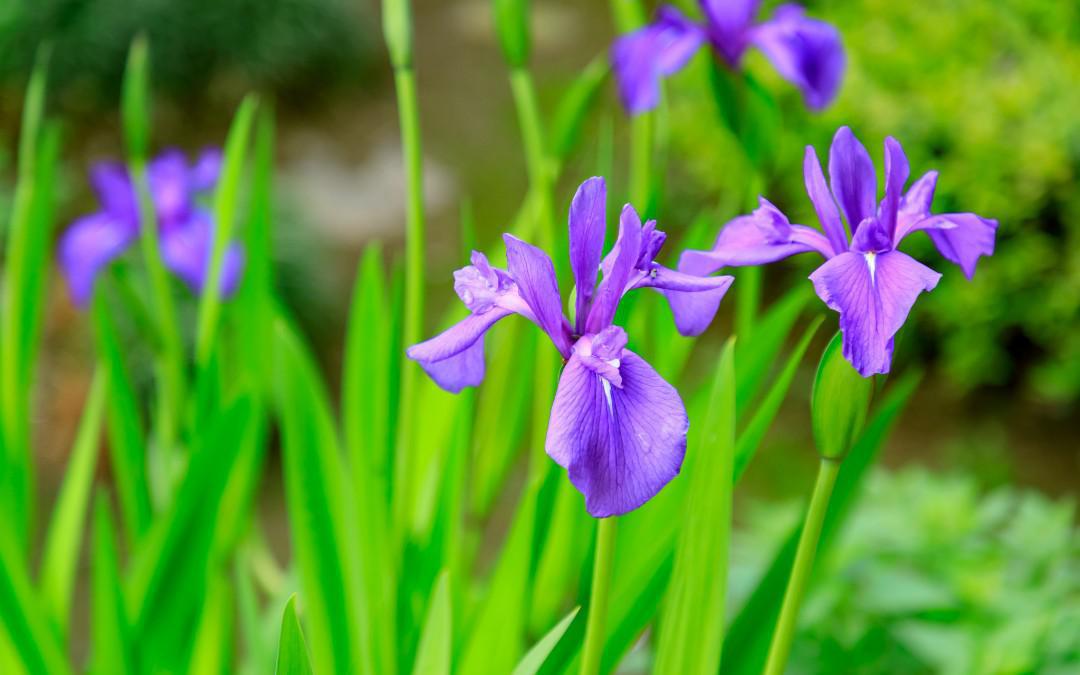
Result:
pixel 616 425
pixel 185 229
pixel 867 280
pixel 806 52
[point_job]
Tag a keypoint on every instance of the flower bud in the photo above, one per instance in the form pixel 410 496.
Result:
pixel 838 403
pixel 512 27
pixel 397 31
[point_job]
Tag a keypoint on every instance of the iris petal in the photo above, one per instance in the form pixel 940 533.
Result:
pixel 88 245
pixel 806 52
pixel 588 212
pixel 620 446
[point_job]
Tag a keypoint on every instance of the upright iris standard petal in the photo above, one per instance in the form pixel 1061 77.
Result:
pixel 618 267
pixel 534 274
pixel 961 237
pixel 588 213
pixel 186 251
pixel 88 245
pixel 620 445
pixel 915 204
pixel 641 58
pixel 806 52
pixel 170 188
pixel 873 294
pixel 896 175
pixel 851 174
pixel 114 191
pixel 822 199
pixel 204 175
pixel 729 24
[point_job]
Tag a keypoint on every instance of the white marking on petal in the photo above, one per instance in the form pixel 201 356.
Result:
pixel 871 262
pixel 607 395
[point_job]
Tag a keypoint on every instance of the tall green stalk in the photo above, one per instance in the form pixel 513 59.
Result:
pixel 629 15
pixel 804 564
pixel 397 30
pixel 595 626
pixel 170 358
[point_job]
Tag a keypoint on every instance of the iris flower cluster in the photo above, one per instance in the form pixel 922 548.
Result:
pixel 616 426
pixel 807 52
pixel 186 230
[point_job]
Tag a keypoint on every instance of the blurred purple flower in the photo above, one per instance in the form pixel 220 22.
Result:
pixel 616 425
pixel 806 52
pixel 185 229
pixel 871 284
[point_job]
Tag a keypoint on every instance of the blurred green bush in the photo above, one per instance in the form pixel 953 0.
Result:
pixel 985 92
pixel 930 575
pixel 295 46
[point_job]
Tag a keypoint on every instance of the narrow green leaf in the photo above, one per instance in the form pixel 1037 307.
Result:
pixel 574 107
pixel 839 402
pixel 692 623
pixel 211 650
pixel 754 358
pixel 766 410
pixel 562 555
pixel 111 647
pixel 225 215
pixel 293 658
pixel 749 634
pixel 316 497
pixel 63 540
pixel 22 304
pixel 433 653
pixel 532 661
pixel 126 444
pixel 496 640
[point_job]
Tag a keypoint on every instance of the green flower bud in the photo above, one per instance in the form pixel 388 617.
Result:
pixel 512 27
pixel 839 402
pixel 135 103
pixel 397 31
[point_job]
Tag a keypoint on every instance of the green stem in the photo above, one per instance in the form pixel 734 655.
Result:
pixel 598 600
pixel 409 116
pixel 171 356
pixel 641 162
pixel 804 564
pixel 536 160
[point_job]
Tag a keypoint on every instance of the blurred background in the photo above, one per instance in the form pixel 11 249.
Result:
pixel 987 93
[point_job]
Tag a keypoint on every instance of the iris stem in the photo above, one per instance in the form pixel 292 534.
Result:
pixel 409 119
pixel 598 600
pixel 536 159
pixel 171 355
pixel 804 565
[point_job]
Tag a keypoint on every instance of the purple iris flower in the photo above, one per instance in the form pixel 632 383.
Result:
pixel 616 425
pixel 185 229
pixel 867 280
pixel 806 52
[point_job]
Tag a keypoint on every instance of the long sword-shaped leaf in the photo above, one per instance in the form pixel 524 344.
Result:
pixel 749 634
pixel 532 661
pixel 111 650
pixel 316 501
pixel 434 651
pixel 20 311
pixel 63 541
pixel 211 650
pixel 293 658
pixel 692 623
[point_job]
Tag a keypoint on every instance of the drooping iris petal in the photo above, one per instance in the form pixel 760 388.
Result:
pixel 112 185
pixel 823 202
pixel 806 52
pixel 873 294
pixel 740 243
pixel 534 273
pixel 641 58
pixel 617 267
pixel 588 212
pixel 693 299
pixel 620 446
pixel 88 245
pixel 729 21
pixel 915 205
pixel 896 175
pixel 455 357
pixel 186 251
pixel 961 237
pixel 851 174
pixel 204 175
